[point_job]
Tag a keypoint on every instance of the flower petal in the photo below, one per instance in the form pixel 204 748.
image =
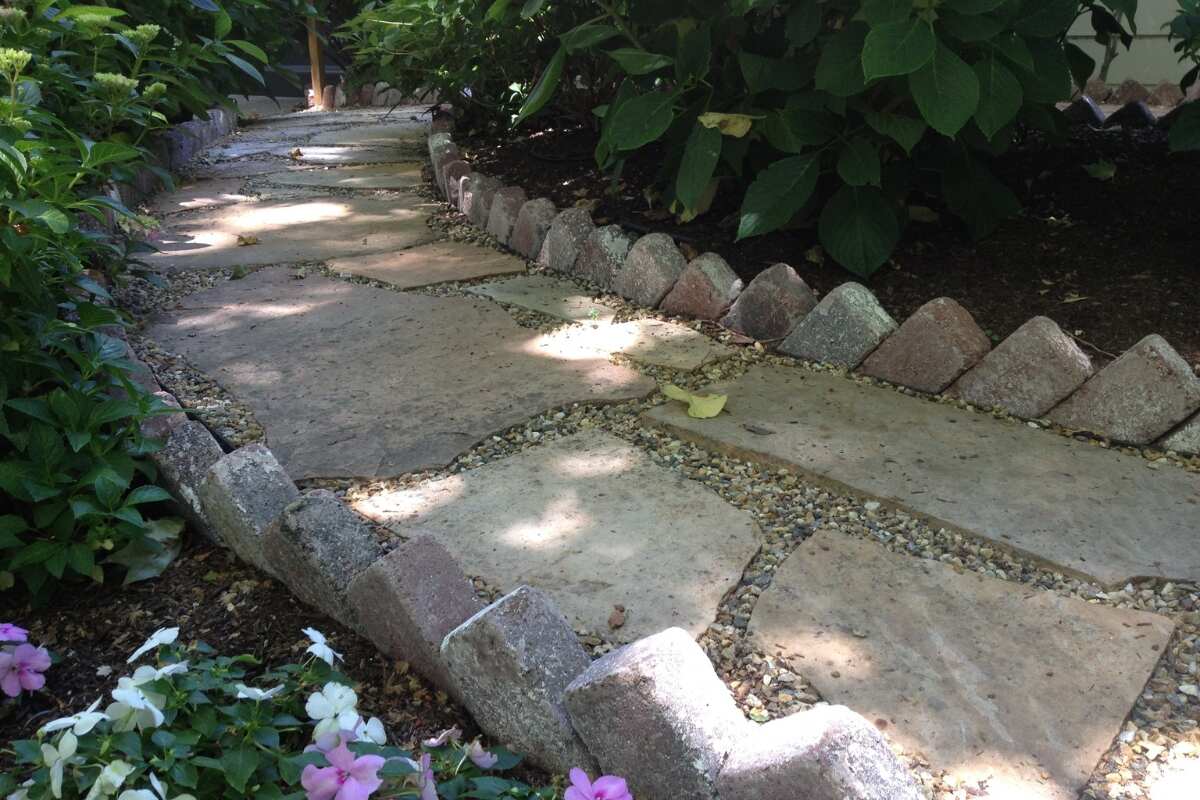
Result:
pixel 321 783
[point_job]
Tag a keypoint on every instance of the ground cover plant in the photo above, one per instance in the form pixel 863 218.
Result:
pixel 189 722
pixel 83 87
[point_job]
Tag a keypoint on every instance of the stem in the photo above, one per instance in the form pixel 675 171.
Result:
pixel 620 23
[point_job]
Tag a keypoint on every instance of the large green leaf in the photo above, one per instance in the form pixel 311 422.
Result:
pixel 700 156
pixel 641 120
pixel 880 12
pixel 1046 19
pixel 803 23
pixel 904 131
pixel 777 194
pixel 763 74
pixel 973 6
pixel 239 764
pixel 639 62
pixel 1050 79
pixel 1184 134
pixel 858 164
pixel 1082 65
pixel 946 91
pixel 587 35
pixel 898 48
pixel 1014 48
pixel 692 55
pixel 791 130
pixel 1000 96
pixel 859 229
pixel 246 67
pixel 840 70
pixel 544 89
pixel 971 28
pixel 974 195
pixel 40 211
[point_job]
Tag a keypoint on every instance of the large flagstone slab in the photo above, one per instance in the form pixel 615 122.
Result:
pixel 375 176
pixel 241 169
pixel 994 681
pixel 594 522
pixel 301 229
pixel 351 380
pixel 339 155
pixel 381 135
pixel 650 341
pixel 199 194
pixel 429 264
pixel 1085 510
pixel 554 297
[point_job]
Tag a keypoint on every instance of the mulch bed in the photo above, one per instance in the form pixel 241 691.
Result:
pixel 1109 261
pixel 232 607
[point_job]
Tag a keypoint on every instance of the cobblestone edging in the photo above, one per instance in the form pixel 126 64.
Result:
pixel 1148 396
pixel 170 151
pixel 654 711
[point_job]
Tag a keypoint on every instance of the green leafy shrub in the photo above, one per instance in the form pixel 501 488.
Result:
pixel 189 726
pixel 837 109
pixel 80 91
pixel 1184 30
pixel 476 55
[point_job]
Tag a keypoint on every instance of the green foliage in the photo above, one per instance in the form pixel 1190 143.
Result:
pixel 832 108
pixel 1185 31
pixel 81 87
pixel 478 55
pixel 205 726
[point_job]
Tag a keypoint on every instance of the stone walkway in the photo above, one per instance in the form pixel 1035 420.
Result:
pixel 515 417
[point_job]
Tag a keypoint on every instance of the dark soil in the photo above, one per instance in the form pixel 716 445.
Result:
pixel 214 598
pixel 1110 261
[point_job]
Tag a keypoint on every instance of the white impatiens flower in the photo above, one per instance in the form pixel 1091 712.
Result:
pixel 157 639
pixel 23 792
pixel 334 708
pixel 134 708
pixel 245 692
pixel 161 790
pixel 80 724
pixel 109 780
pixel 371 730
pixel 319 647
pixel 57 759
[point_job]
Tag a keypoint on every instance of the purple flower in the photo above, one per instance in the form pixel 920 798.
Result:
pixel 12 633
pixel 607 787
pixel 424 778
pixel 346 777
pixel 448 735
pixel 22 668
pixel 480 757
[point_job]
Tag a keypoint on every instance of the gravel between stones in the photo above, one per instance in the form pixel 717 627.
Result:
pixel 1162 730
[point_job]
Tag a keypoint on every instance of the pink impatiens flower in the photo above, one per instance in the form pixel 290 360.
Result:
pixel 22 668
pixel 607 787
pixel 346 777
pixel 12 633
pixel 484 759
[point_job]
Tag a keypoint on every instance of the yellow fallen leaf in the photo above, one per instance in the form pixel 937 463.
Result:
pixel 296 154
pixel 735 125
pixel 246 241
pixel 700 406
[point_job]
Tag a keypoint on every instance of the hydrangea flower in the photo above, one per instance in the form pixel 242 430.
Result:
pixel 607 787
pixel 346 777
pixel 80 724
pixel 21 669
pixel 480 757
pixel 142 35
pixel 157 639
pixel 334 708
pixel 12 633
pixel 319 647
pixel 114 87
pixel 13 62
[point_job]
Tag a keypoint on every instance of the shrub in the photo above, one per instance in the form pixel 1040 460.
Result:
pixel 837 109
pixel 476 55
pixel 1184 29
pixel 80 91
pixel 191 725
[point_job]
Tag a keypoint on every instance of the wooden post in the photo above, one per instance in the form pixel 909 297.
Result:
pixel 315 62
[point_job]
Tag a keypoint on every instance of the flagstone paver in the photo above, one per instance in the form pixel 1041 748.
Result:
pixel 594 523
pixel 200 194
pixel 372 176
pixel 554 297
pixel 304 229
pixel 990 680
pixel 380 135
pixel 310 154
pixel 351 380
pixel 1086 510
pixel 432 263
pixel 649 341
pixel 244 168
